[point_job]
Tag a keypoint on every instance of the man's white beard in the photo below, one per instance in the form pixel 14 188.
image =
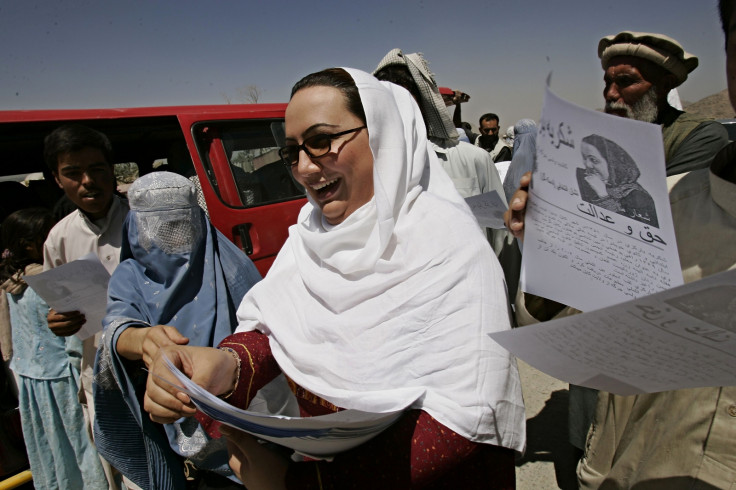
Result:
pixel 645 109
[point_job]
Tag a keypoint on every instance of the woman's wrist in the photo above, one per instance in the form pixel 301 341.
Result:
pixel 130 343
pixel 236 376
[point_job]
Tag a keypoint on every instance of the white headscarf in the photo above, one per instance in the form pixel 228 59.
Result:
pixel 397 301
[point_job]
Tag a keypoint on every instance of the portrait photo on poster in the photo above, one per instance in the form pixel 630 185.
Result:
pixel 609 179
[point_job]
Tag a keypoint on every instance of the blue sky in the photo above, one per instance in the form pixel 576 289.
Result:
pixel 127 53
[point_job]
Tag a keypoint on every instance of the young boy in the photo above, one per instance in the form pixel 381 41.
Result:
pixel 80 159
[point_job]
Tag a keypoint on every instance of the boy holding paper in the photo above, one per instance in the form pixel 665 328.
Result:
pixel 80 159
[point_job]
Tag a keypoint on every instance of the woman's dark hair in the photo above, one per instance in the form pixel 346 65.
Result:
pixel 74 137
pixel 20 229
pixel 488 117
pixel 339 79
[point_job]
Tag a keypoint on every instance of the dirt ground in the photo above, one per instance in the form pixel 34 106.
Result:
pixel 549 461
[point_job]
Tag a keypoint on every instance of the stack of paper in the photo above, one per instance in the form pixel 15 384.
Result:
pixel 317 437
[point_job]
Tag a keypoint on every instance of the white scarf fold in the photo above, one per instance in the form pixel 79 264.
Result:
pixel 397 301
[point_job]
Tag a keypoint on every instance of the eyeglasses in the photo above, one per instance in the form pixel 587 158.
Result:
pixel 315 146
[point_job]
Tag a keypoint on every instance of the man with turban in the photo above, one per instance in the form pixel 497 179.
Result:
pixel 640 69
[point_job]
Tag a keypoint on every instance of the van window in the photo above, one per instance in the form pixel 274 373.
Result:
pixel 252 153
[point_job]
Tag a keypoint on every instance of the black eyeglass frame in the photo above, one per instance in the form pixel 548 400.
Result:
pixel 303 146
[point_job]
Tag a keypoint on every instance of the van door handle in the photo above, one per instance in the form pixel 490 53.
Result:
pixel 243 231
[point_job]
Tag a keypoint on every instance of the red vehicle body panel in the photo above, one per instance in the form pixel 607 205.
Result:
pixel 264 225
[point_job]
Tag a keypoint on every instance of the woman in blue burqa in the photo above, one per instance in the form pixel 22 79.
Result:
pixel 179 282
pixel 609 180
pixel 523 159
pixel 523 155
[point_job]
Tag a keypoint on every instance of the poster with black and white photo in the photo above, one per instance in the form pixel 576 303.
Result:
pixel 598 226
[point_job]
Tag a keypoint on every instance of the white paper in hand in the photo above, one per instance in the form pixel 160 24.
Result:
pixel 317 437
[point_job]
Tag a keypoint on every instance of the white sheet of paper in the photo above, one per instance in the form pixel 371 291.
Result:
pixel 488 209
pixel 684 337
pixel 317 437
pixel 502 168
pixel 590 255
pixel 80 285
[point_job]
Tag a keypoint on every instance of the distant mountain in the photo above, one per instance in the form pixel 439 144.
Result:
pixel 716 106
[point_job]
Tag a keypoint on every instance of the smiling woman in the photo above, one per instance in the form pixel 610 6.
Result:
pixel 340 180
pixel 382 298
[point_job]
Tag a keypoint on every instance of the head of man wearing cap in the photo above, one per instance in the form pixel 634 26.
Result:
pixel 640 69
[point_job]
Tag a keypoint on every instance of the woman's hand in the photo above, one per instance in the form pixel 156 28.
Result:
pixel 258 467
pixel 213 369
pixel 158 337
pixel 136 343
pixel 514 215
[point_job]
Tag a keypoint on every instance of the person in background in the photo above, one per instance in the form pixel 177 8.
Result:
pixel 470 168
pixel 80 160
pixel 457 98
pixel 179 282
pixel 508 137
pixel 402 291
pixel 490 139
pixel 679 439
pixel 640 69
pixel 47 367
pixel 524 154
pixel 472 136
pixel 522 161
